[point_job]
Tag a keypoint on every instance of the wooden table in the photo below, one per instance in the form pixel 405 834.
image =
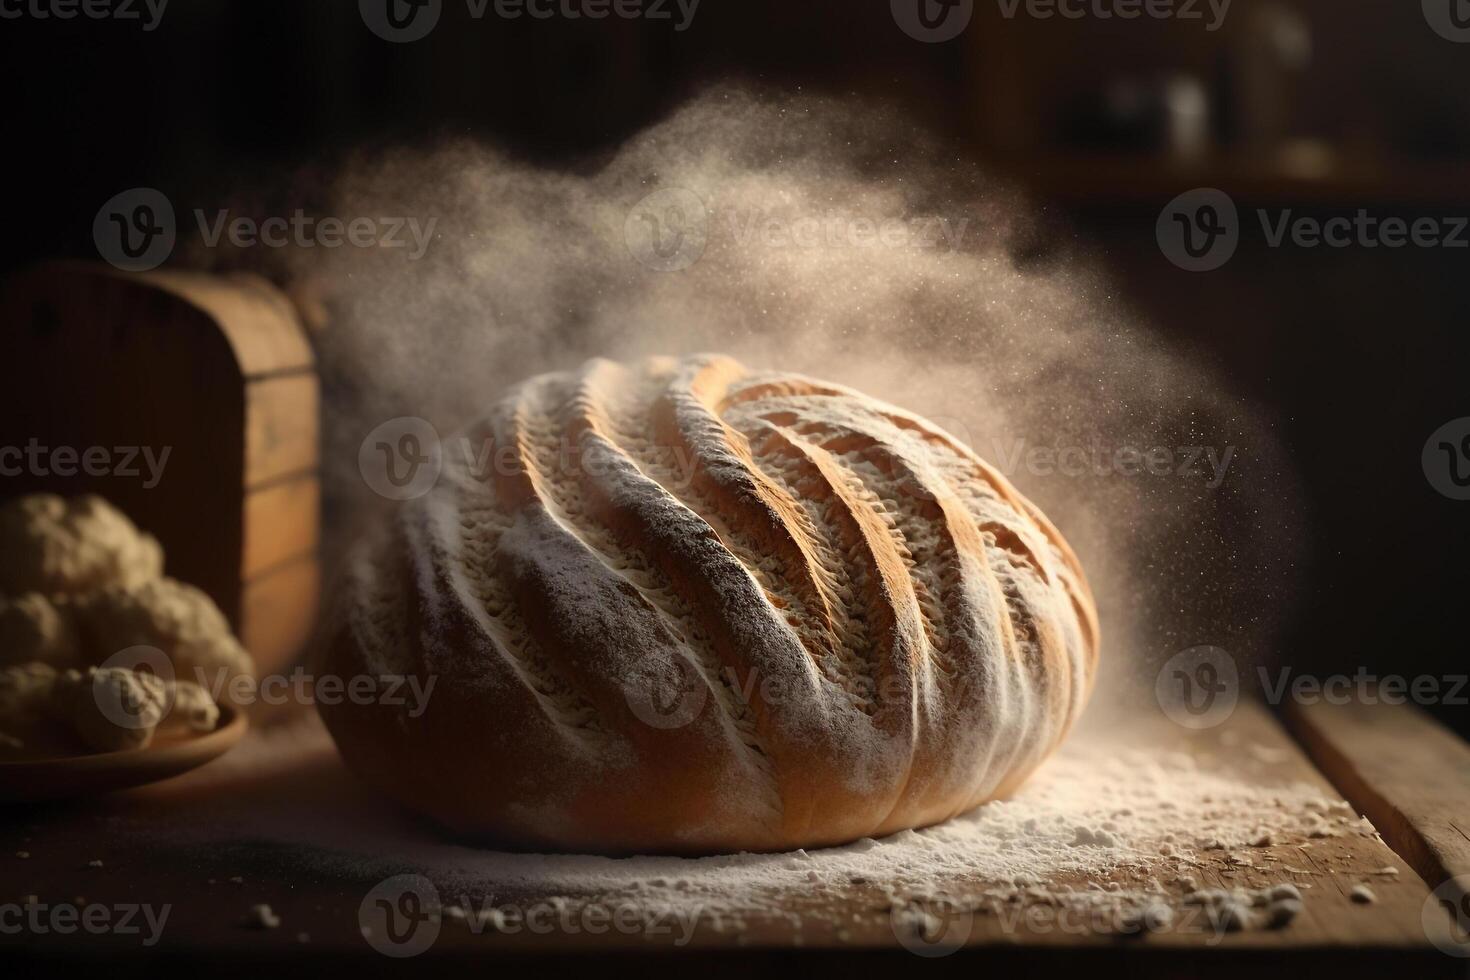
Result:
pixel 160 846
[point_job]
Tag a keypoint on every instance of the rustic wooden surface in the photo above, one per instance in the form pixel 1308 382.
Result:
pixel 1408 774
pixel 150 843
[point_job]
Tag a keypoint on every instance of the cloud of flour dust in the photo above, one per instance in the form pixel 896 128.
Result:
pixel 829 238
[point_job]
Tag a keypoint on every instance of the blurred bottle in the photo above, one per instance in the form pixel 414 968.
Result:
pixel 1267 56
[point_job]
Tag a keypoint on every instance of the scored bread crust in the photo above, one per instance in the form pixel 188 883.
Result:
pixel 684 607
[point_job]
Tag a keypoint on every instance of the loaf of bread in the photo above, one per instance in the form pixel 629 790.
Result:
pixel 685 607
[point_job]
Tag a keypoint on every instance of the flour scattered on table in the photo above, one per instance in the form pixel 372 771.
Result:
pixel 1149 819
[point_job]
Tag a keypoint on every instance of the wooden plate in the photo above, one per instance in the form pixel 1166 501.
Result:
pixel 68 777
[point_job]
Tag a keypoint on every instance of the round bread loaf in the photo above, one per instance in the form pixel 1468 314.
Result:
pixel 685 607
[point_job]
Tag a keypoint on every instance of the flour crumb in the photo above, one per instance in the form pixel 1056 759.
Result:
pixel 1285 891
pixel 262 917
pixel 1087 837
pixel 1279 914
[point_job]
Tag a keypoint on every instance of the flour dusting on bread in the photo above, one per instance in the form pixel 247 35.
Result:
pixel 683 606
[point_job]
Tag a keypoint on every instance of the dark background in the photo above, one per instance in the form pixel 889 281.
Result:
pixel 1316 105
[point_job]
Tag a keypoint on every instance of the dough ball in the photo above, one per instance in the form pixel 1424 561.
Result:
pixel 57 547
pixel 25 692
pixel 33 628
pixel 110 709
pixel 191 709
pixel 178 619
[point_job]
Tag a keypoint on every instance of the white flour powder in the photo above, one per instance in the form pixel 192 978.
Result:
pixel 1130 826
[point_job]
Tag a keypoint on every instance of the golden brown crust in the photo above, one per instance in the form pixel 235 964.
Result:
pixel 679 606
